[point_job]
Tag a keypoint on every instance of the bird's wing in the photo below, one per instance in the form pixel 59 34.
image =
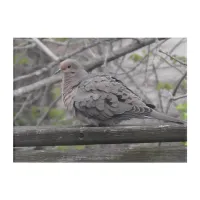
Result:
pixel 103 97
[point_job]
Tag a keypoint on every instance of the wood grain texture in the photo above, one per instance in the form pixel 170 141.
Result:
pixel 55 136
pixel 167 152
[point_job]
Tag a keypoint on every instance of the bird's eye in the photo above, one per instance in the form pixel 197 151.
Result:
pixel 69 66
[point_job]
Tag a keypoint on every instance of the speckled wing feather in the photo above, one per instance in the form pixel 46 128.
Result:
pixel 102 97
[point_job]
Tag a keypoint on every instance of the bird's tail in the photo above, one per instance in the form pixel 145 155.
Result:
pixel 165 117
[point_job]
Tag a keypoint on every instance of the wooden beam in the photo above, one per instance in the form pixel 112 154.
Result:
pixel 151 152
pixel 56 136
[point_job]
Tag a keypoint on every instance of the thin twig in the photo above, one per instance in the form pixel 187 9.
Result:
pixel 88 67
pixel 106 57
pixel 144 58
pixel 171 51
pixel 52 64
pixel 175 90
pixel 119 64
pixel 121 52
pixel 145 79
pixel 151 69
pixel 173 66
pixel 36 97
pixel 36 73
pixel 179 97
pixel 46 113
pixel 23 106
pixel 172 57
pixel 45 96
pixel 178 84
pixel 159 92
pixel 90 50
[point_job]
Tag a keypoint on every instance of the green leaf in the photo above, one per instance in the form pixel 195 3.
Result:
pixel 150 54
pixel 21 122
pixel 24 61
pixel 62 148
pixel 182 107
pixel 181 58
pixel 56 113
pixel 184 84
pixel 184 115
pixel 145 53
pixel 79 147
pixel 18 59
pixel 35 112
pixel 185 143
pixel 56 92
pixel 162 85
pixel 62 122
pixel 136 57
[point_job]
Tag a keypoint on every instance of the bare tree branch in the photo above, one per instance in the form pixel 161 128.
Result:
pixel 106 57
pixel 45 49
pixel 119 63
pixel 179 97
pixel 91 52
pixel 144 58
pixel 36 97
pixel 23 106
pixel 175 90
pixel 52 64
pixel 145 78
pixel 179 83
pixel 41 119
pixel 37 85
pixel 56 42
pixel 171 51
pixel 36 73
pixel 172 57
pixel 121 52
pixel 173 66
pixel 159 93
pixel 88 67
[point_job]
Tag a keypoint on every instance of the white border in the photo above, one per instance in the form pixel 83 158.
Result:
pixel 99 19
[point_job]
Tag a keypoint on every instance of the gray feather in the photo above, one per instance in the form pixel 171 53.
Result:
pixel 162 116
pixel 102 99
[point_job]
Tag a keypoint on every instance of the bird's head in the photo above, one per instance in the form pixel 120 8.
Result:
pixel 70 66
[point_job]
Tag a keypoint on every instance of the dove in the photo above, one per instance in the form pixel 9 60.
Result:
pixel 101 99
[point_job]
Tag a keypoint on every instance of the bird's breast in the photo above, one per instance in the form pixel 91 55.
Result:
pixel 68 98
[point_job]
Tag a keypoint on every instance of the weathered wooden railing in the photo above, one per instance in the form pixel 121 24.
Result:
pixel 171 150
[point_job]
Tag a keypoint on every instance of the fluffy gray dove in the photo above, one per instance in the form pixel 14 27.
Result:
pixel 100 99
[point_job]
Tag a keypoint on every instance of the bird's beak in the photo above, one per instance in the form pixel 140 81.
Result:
pixel 57 71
